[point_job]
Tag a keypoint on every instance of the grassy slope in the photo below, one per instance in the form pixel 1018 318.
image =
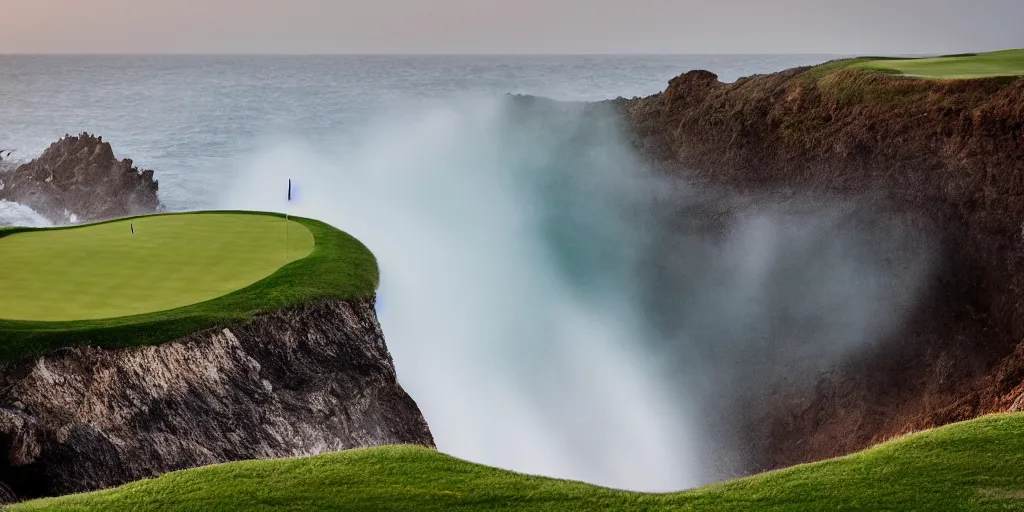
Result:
pixel 976 465
pixel 896 82
pixel 339 267
pixel 991 64
pixel 106 271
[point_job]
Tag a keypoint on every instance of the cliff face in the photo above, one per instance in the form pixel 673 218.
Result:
pixel 80 176
pixel 951 152
pixel 296 382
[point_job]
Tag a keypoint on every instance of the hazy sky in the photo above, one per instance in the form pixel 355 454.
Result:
pixel 509 26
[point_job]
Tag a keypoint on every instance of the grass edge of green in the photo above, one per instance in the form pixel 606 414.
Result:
pixel 340 267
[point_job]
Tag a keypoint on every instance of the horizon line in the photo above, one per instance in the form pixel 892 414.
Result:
pixel 386 54
pixel 482 54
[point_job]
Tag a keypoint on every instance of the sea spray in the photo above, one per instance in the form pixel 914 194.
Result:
pixel 557 308
pixel 17 214
pixel 510 365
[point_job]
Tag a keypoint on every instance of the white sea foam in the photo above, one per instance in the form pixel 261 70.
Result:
pixel 17 214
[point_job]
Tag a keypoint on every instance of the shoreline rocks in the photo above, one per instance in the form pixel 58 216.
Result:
pixel 78 179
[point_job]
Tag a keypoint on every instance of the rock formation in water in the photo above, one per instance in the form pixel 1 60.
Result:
pixel 296 382
pixel 78 179
pixel 948 151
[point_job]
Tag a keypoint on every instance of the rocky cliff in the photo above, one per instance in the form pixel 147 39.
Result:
pixel 948 152
pixel 78 179
pixel 295 382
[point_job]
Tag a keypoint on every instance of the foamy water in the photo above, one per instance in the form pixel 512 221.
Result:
pixel 16 214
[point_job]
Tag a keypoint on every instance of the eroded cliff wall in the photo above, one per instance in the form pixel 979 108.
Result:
pixel 949 153
pixel 296 382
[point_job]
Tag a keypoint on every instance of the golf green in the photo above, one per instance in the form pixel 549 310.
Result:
pixel 105 270
pixel 981 65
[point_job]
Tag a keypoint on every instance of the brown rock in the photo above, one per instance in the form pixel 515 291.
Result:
pixel 80 176
pixel 948 151
pixel 292 383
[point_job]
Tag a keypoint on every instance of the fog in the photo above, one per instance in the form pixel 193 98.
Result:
pixel 557 308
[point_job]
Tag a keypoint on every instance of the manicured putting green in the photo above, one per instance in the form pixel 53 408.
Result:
pixel 1001 63
pixel 105 271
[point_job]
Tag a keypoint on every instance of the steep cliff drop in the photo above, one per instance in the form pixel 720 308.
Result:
pixel 281 355
pixel 78 179
pixel 300 381
pixel 948 154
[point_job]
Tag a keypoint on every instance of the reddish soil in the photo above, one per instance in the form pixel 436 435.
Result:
pixel 951 152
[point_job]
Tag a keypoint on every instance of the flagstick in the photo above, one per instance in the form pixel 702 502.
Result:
pixel 286 251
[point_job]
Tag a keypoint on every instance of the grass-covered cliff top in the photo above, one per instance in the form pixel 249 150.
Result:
pixel 971 65
pixel 137 266
pixel 155 278
pixel 976 465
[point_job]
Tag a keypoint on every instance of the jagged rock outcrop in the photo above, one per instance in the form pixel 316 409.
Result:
pixel 296 382
pixel 80 177
pixel 948 151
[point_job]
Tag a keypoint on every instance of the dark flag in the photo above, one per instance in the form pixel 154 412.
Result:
pixel 132 225
pixel 286 221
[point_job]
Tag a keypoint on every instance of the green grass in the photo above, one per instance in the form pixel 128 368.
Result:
pixel 99 285
pixel 981 65
pixel 976 465
pixel 106 271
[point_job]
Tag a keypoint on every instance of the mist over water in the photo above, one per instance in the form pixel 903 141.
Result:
pixel 512 362
pixel 556 308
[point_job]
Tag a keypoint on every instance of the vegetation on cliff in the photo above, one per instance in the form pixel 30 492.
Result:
pixel 100 285
pixel 972 65
pixel 1005 64
pixel 975 465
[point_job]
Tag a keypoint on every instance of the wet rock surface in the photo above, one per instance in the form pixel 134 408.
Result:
pixel 296 382
pixel 78 179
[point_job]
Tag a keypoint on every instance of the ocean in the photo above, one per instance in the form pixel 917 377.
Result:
pixel 193 118
pixel 508 246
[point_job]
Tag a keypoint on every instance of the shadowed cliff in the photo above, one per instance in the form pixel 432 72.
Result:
pixel 301 381
pixel 943 156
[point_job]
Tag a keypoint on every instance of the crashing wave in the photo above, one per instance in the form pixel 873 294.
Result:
pixel 17 214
